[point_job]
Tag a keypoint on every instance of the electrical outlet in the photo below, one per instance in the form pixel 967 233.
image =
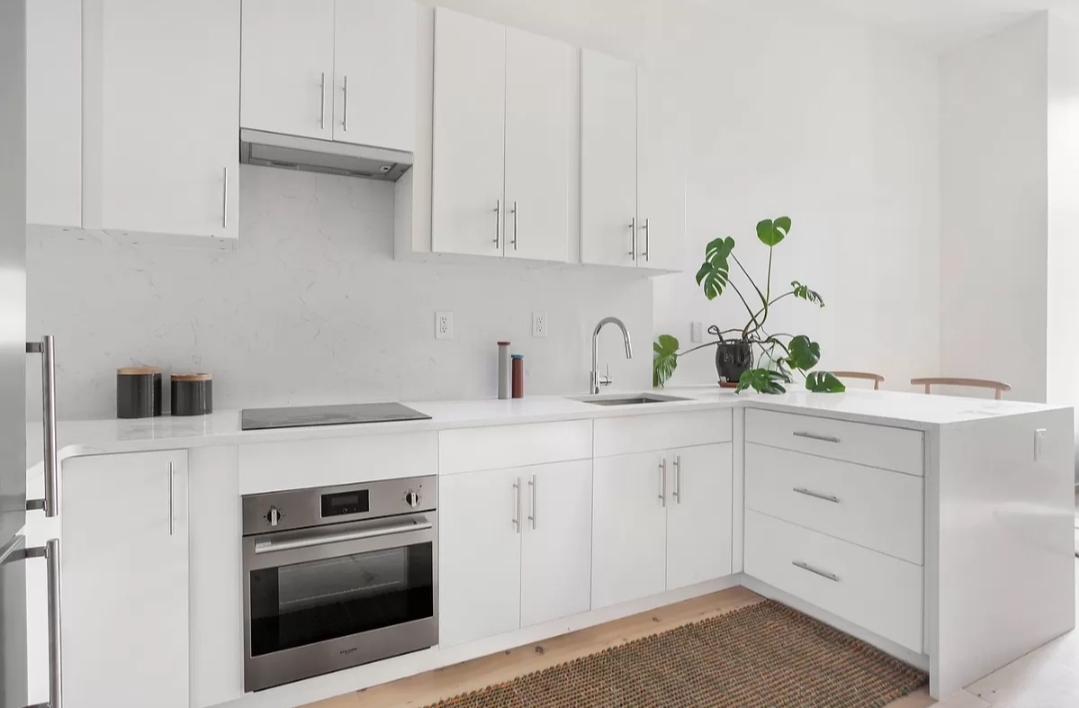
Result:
pixel 1039 444
pixel 443 325
pixel 696 332
pixel 539 324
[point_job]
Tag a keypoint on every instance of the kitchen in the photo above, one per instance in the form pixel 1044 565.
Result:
pixel 286 314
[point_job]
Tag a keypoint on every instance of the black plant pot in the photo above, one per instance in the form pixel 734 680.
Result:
pixel 733 359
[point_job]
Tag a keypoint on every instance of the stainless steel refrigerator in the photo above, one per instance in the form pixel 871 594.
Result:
pixel 15 355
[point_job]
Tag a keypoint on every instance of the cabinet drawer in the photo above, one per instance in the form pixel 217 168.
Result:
pixel 874 445
pixel 475 449
pixel 870 507
pixel 874 591
pixel 661 431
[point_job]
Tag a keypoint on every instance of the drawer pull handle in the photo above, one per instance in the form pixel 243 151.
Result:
pixel 805 566
pixel 813 436
pixel 817 495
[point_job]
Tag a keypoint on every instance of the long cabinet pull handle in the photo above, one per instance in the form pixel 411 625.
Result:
pixel 344 109
pixel 647 241
pixel 663 482
pixel 532 514
pixel 322 102
pixel 225 202
pixel 816 495
pixel 517 504
pixel 824 574
pixel 498 222
pixel 515 225
pixel 51 503
pixel 633 234
pixel 51 553
pixel 814 436
pixel 678 479
pixel 172 514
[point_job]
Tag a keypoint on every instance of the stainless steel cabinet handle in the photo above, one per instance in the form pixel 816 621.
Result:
pixel 633 233
pixel 663 482
pixel 51 553
pixel 532 514
pixel 517 504
pixel 805 566
pixel 514 212
pixel 172 482
pixel 647 240
pixel 270 546
pixel 344 110
pixel 225 202
pixel 51 503
pixel 322 102
pixel 816 495
pixel 814 436
pixel 498 222
pixel 678 478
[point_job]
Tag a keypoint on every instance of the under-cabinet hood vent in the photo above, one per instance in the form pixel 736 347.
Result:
pixel 312 155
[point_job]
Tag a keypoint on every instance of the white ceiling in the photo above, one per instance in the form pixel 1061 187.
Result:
pixel 943 23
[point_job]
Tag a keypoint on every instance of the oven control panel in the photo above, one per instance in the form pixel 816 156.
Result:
pixel 357 501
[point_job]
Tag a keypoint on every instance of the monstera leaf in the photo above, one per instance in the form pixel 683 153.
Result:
pixel 824 382
pixel 715 272
pixel 763 381
pixel 804 353
pixel 805 293
pixel 665 359
pixel 771 233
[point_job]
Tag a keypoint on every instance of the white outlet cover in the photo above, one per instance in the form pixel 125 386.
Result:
pixel 443 325
pixel 696 332
pixel 539 324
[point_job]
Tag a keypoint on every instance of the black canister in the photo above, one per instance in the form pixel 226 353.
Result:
pixel 192 394
pixel 138 392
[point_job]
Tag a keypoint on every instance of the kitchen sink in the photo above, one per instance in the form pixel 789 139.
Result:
pixel 632 400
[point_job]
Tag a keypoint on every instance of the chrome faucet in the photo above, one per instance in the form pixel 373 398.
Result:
pixel 594 381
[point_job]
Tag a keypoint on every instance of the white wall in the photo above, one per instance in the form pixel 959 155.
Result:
pixel 994 148
pixel 313 308
pixel 835 126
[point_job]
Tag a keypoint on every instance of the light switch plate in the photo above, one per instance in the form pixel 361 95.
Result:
pixel 696 332
pixel 443 325
pixel 1039 444
pixel 539 324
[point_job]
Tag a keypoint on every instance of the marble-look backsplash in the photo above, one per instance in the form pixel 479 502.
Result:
pixel 312 308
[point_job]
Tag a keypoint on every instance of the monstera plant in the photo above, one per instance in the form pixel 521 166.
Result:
pixel 752 355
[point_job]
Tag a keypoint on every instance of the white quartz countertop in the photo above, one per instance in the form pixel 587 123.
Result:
pixel 906 410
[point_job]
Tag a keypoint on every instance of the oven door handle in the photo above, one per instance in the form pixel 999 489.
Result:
pixel 272 546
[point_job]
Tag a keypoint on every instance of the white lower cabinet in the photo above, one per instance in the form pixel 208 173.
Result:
pixel 699 514
pixel 509 559
pixel 124 576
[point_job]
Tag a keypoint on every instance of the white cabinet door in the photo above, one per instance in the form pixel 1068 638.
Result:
pixel 375 73
pixel 699 514
pixel 629 528
pixel 661 176
pixel 556 552
pixel 539 109
pixel 608 160
pixel 287 67
pixel 54 112
pixel 479 555
pixel 469 135
pixel 124 575
pixel 162 137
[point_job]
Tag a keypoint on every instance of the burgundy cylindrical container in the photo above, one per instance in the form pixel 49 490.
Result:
pixel 518 375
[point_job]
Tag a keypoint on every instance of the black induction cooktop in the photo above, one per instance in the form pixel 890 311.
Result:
pixel 311 416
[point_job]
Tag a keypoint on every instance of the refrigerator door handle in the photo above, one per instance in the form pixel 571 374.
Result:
pixel 51 553
pixel 51 503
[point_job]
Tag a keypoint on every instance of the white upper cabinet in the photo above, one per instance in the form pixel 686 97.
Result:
pixel 287 67
pixel 699 514
pixel 661 176
pixel 539 136
pixel 374 50
pixel 162 88
pixel 469 135
pixel 609 228
pixel 54 113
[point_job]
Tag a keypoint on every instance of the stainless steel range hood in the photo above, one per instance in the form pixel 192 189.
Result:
pixel 312 155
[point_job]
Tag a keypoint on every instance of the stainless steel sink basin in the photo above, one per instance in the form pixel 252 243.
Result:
pixel 631 400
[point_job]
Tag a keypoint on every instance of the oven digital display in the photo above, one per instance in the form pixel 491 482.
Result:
pixel 342 503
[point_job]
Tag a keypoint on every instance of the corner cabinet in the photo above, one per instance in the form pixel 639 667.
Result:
pixel 124 574
pixel 160 112
pixel 503 108
pixel 633 185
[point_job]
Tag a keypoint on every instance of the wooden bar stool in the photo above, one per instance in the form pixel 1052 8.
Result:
pixel 877 379
pixel 999 386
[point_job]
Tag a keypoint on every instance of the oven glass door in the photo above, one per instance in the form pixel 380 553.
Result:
pixel 309 602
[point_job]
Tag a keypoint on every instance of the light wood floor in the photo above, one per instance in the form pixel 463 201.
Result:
pixel 424 689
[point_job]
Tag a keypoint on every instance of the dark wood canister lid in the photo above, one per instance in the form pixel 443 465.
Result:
pixel 192 377
pixel 137 371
